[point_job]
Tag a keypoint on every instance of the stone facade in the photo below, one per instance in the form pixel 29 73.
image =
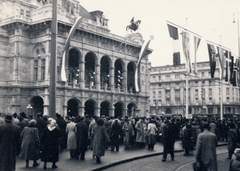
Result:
pixel 99 65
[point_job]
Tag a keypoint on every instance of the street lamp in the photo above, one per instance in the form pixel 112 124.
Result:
pixel 29 107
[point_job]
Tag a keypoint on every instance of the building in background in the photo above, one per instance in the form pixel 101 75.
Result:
pixel 99 65
pixel 168 92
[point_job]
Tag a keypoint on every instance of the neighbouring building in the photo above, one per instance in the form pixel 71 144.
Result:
pixel 168 92
pixel 99 65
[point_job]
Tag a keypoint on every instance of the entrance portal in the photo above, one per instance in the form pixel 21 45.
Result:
pixel 72 108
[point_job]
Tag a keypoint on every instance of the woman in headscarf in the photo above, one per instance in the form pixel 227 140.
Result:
pixel 30 144
pixel 100 139
pixel 50 144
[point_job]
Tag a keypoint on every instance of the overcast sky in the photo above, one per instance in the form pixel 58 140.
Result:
pixel 212 19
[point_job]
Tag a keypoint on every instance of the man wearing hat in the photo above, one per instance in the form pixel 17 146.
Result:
pixel 10 144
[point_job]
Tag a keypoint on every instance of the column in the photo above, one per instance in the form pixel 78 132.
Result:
pixel 111 79
pixel 82 74
pixel 125 80
pixel 97 77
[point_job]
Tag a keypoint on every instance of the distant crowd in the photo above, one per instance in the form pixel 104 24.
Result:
pixel 43 138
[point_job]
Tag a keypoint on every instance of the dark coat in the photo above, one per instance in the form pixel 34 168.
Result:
pixel 100 139
pixel 30 144
pixel 10 145
pixel 50 145
pixel 115 132
pixel 232 139
pixel 41 125
pixel 206 150
pixel 82 135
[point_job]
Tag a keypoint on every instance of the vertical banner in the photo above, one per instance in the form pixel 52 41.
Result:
pixel 221 62
pixel 212 58
pixel 141 54
pixel 197 41
pixel 65 48
pixel 186 51
pixel 173 32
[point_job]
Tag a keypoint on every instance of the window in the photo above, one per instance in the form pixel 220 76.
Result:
pixel 168 77
pixel 21 12
pixel 228 99
pixel 159 78
pixel 227 91
pixel 35 76
pixel 27 13
pixel 154 79
pixel 160 94
pixel 210 91
pixel 202 74
pixel 210 99
pixel 177 76
pixel 43 69
pixel 159 85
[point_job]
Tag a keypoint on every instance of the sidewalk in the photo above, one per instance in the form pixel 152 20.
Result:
pixel 110 159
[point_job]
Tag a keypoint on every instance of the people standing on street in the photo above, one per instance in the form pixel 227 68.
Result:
pixel 50 144
pixel 30 144
pixel 151 132
pixel 90 128
pixel 140 136
pixel 82 137
pixel 115 133
pixel 166 139
pixel 231 140
pixel 71 137
pixel 41 125
pixel 100 139
pixel 206 156
pixel 10 144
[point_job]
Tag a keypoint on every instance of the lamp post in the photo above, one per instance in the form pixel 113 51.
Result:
pixel 29 107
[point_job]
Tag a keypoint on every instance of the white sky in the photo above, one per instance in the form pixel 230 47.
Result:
pixel 211 19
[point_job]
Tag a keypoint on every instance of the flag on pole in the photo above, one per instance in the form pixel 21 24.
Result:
pixel 227 55
pixel 221 61
pixel 212 58
pixel 141 54
pixel 233 69
pixel 65 48
pixel 186 51
pixel 173 32
pixel 197 41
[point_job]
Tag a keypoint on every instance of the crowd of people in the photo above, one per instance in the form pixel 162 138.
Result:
pixel 45 137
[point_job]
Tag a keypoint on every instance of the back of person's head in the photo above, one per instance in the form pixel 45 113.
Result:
pixel 205 125
pixel 100 122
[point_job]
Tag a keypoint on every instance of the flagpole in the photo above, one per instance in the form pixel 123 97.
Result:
pixel 187 72
pixel 221 84
pixel 52 86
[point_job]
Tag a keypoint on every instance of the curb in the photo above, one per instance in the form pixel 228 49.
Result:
pixel 139 157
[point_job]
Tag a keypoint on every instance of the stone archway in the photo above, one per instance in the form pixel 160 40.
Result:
pixel 131 107
pixel 89 108
pixel 73 107
pixel 37 106
pixel 119 108
pixel 105 107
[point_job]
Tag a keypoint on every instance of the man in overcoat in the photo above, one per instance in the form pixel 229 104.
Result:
pixel 206 155
pixel 10 144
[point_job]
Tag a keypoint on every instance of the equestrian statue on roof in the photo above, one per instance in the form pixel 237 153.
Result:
pixel 134 25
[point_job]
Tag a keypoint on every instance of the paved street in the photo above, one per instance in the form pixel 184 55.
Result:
pixel 112 159
pixel 181 163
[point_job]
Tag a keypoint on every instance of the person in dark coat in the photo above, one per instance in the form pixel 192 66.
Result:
pixel 206 156
pixel 10 144
pixel 115 133
pixel 187 135
pixel 62 127
pixel 100 139
pixel 232 140
pixel 41 125
pixel 82 138
pixel 30 144
pixel 50 144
